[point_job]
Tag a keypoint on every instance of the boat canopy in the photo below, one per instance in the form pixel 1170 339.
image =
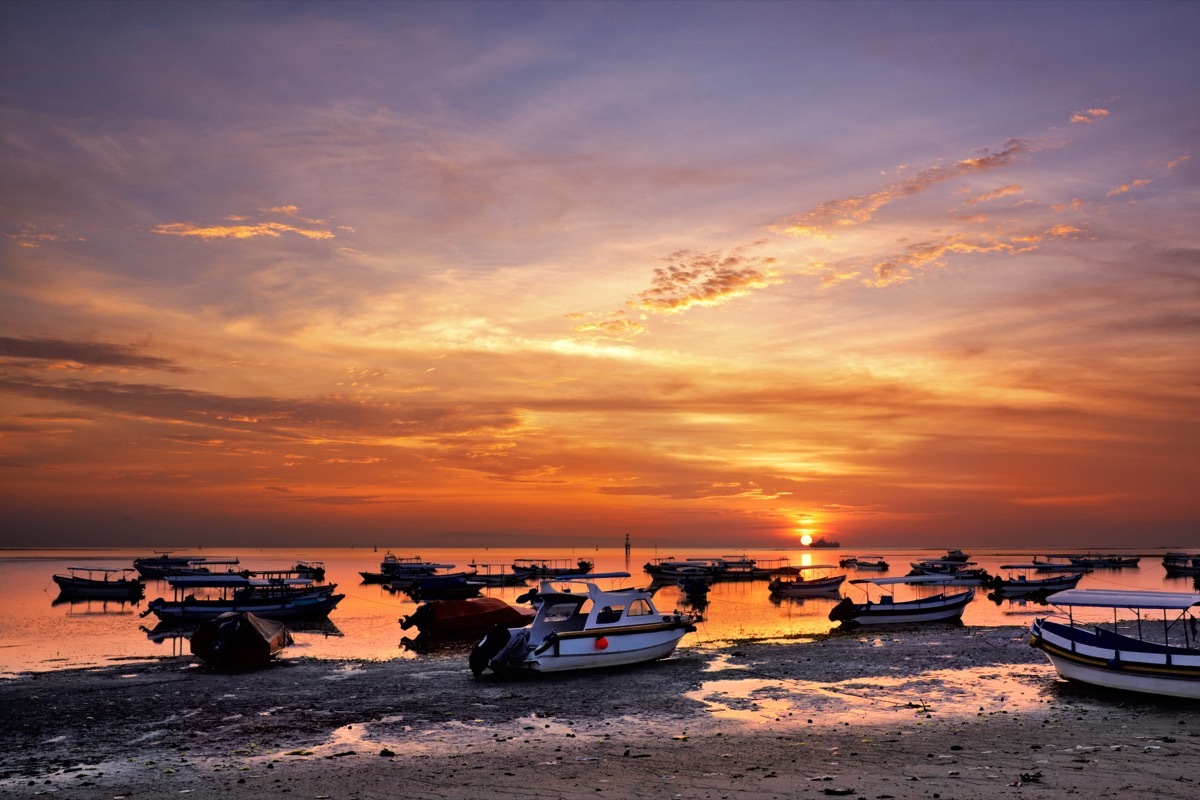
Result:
pixel 817 566
pixel 182 581
pixel 906 579
pixel 1115 598
pixel 108 570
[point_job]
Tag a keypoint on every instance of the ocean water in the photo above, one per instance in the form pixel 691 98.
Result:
pixel 40 633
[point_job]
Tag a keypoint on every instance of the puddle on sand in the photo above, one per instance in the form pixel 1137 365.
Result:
pixel 766 701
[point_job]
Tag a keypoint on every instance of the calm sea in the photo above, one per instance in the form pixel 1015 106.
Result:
pixel 38 633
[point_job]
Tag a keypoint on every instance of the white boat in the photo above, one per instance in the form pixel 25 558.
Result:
pixel 942 607
pixel 202 597
pixel 1019 582
pixel 818 580
pixel 1124 657
pixel 870 563
pixel 578 625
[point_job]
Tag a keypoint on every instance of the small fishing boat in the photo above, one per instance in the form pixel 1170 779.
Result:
pixel 818 580
pixel 1181 565
pixel 955 555
pixel 454 619
pixel 1096 560
pixel 313 570
pixel 401 569
pixel 1059 563
pixel 1131 657
pixel 578 626
pixel 239 641
pixel 870 563
pixel 496 575
pixel 201 597
pixel 100 582
pixel 942 607
pixel 164 565
pixel 1019 582
pixel 963 573
pixel 535 568
pixel 450 586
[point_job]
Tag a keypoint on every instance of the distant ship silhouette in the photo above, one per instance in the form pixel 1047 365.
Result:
pixel 821 541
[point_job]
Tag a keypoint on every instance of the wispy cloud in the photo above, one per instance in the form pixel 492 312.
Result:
pixel 829 217
pixel 102 354
pixel 1126 188
pixel 995 194
pixel 1088 115
pixel 242 227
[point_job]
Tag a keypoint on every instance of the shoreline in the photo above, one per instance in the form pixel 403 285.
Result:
pixel 914 713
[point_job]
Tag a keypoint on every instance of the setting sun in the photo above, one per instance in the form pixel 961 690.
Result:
pixel 806 540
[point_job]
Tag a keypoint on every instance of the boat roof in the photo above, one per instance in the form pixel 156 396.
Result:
pixel 1120 598
pixel 818 566
pixel 233 580
pixel 1032 566
pixel 100 569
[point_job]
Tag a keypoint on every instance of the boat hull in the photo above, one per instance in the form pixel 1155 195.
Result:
pixel 84 588
pixel 597 649
pixel 942 608
pixel 1079 656
pixel 817 587
pixel 199 610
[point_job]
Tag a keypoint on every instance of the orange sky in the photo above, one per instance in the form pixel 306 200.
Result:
pixel 392 274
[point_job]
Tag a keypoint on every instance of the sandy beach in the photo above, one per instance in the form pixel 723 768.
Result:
pixel 921 713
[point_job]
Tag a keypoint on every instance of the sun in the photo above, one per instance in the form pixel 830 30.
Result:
pixel 806 540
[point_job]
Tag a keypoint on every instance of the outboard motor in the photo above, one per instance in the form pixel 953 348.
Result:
pixel 483 653
pixel 842 611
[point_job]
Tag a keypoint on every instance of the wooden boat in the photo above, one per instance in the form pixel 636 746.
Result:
pixel 450 586
pixel 1181 565
pixel 496 575
pixel 579 626
pixel 1020 584
pixel 534 568
pixel 1096 560
pixel 453 619
pixel 100 582
pixel 871 563
pixel 964 573
pixel 942 607
pixel 1125 657
pixel 273 599
pixel 164 565
pixel 395 568
pixel 818 580
pixel 238 641
pixel 1059 563
pixel 314 570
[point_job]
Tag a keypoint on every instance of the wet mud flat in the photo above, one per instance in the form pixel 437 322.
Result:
pixel 939 712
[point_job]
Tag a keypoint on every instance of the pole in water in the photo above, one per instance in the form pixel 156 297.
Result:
pixel 627 545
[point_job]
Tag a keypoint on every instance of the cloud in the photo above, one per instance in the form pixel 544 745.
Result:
pixel 100 354
pixel 1088 115
pixel 1126 188
pixel 933 253
pixel 703 279
pixel 848 212
pixel 995 194
pixel 268 417
pixel 247 228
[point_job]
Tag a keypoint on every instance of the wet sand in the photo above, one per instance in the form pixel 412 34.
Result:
pixel 921 713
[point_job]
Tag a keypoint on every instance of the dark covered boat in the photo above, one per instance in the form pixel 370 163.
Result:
pixel 238 641
pixel 451 619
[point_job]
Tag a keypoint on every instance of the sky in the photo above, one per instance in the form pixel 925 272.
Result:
pixel 707 274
